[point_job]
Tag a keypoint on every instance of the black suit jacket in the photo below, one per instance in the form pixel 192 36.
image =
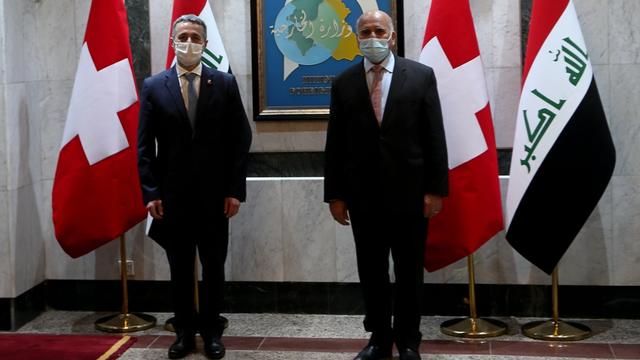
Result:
pixel 205 165
pixel 395 164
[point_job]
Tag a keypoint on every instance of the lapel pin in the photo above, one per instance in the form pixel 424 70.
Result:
pixel 209 82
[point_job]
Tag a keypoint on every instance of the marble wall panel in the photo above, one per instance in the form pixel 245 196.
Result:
pixel 590 258
pixel 482 13
pixel 60 266
pixel 81 17
pixel 3 137
pixel 415 20
pixel 15 40
pixel 346 264
pixel 625 126
pixel 594 21
pixel 26 237
pixel 504 93
pixel 234 20
pixel 49 40
pixel 505 40
pixel 2 49
pixel 256 244
pixel 7 269
pixel 626 230
pixel 160 28
pixel 22 137
pixel 308 233
pixel 53 101
pixel 624 39
pixel 602 75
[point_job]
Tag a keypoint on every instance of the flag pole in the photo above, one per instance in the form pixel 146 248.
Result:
pixel 125 321
pixel 473 327
pixel 555 329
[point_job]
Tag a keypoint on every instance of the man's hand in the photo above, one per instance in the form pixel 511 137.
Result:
pixel 432 205
pixel 339 211
pixel 231 206
pixel 154 207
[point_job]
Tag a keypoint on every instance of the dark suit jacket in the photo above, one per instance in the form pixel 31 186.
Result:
pixel 191 167
pixel 393 165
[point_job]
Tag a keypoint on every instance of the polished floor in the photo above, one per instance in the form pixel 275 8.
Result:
pixel 338 337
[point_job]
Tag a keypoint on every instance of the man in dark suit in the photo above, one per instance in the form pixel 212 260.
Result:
pixel 193 140
pixel 386 173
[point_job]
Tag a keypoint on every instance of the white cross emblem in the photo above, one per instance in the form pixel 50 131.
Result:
pixel 462 94
pixel 96 99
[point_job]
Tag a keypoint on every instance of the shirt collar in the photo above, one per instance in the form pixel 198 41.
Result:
pixel 181 71
pixel 388 63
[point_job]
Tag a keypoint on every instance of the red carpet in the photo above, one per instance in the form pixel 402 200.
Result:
pixel 72 347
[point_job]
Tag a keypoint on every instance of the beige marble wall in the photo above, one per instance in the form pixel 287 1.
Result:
pixel 284 232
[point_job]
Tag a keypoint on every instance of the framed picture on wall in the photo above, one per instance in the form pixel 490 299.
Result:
pixel 299 46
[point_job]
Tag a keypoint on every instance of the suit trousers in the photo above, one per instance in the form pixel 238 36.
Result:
pixel 211 238
pixel 377 233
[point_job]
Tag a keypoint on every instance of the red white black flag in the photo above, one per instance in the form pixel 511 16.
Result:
pixel 563 154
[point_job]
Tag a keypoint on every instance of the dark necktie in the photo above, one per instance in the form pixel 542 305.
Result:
pixel 192 99
pixel 376 91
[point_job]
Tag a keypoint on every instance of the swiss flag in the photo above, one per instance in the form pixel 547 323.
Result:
pixel 96 191
pixel 472 213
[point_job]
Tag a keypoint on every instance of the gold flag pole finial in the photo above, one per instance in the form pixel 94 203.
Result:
pixel 555 329
pixel 125 321
pixel 473 327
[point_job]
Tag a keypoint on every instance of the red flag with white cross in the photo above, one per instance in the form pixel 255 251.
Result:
pixel 472 214
pixel 96 190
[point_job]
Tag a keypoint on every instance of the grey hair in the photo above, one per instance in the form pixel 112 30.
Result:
pixel 192 19
pixel 386 16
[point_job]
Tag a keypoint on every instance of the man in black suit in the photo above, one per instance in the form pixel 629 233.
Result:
pixel 193 140
pixel 385 173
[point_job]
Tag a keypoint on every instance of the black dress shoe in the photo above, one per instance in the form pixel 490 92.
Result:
pixel 409 354
pixel 374 352
pixel 214 348
pixel 182 347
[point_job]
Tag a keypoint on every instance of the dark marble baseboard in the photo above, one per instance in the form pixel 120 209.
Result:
pixel 15 312
pixel 596 302
pixel 344 298
pixel 311 164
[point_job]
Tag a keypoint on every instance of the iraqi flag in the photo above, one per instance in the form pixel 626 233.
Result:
pixel 563 155
pixel 214 55
pixel 472 213
pixel 96 191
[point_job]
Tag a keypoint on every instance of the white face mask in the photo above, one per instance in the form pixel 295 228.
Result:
pixel 188 53
pixel 376 50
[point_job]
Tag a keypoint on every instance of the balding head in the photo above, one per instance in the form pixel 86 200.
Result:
pixel 376 15
pixel 376 24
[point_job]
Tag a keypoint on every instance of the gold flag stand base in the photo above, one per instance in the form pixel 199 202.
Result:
pixel 476 328
pixel 123 323
pixel 473 327
pixel 556 330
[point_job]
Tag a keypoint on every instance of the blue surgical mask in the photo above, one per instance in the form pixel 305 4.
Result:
pixel 376 50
